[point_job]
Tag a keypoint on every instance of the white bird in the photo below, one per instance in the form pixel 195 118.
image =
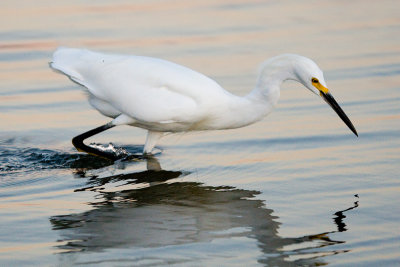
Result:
pixel 162 97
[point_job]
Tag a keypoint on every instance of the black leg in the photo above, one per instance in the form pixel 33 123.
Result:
pixel 77 141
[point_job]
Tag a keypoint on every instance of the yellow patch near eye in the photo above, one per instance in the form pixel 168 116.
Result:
pixel 319 86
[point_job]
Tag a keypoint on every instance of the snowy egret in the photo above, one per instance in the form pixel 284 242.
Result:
pixel 161 96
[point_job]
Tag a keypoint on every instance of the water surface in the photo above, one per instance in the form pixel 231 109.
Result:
pixel 297 188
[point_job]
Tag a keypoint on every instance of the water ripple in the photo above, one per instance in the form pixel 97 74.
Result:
pixel 16 160
pixel 363 72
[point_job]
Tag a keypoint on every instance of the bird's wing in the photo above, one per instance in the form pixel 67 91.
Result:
pixel 146 89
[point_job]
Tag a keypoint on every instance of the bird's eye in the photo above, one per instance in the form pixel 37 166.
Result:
pixel 314 80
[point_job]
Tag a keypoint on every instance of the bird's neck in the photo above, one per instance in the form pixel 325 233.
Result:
pixel 272 74
pixel 263 98
pixel 243 111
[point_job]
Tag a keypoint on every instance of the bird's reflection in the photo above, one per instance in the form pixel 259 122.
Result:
pixel 167 213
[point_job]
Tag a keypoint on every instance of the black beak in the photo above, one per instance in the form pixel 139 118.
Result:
pixel 335 106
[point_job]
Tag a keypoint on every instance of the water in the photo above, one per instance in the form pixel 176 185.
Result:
pixel 297 188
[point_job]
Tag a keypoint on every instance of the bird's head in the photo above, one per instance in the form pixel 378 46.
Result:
pixel 311 76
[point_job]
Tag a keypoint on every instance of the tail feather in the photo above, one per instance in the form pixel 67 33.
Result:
pixel 82 66
pixel 68 61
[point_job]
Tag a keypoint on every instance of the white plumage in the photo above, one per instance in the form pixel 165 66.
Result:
pixel 161 96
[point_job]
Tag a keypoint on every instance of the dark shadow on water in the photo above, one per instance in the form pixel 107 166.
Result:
pixel 152 176
pixel 165 214
pixel 339 216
